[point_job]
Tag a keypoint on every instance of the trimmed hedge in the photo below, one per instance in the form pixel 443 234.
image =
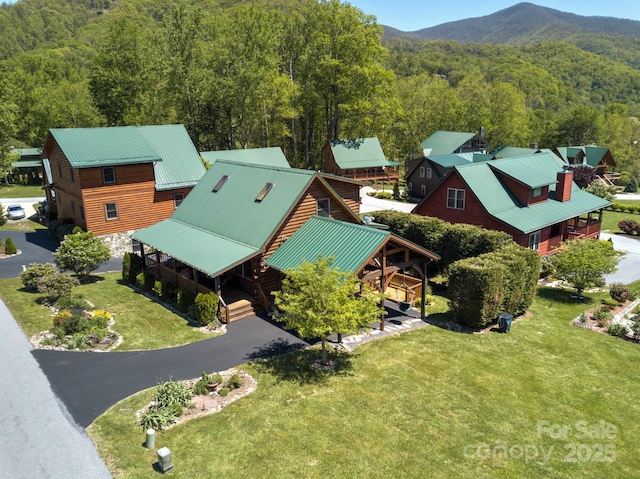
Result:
pixel 164 290
pixel 145 281
pixel 185 299
pixel 10 247
pixel 624 208
pixel 206 308
pixel 452 242
pixel 131 267
pixel 481 288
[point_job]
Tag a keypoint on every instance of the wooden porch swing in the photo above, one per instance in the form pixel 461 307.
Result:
pixel 408 294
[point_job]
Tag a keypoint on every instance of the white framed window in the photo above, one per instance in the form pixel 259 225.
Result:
pixel 429 173
pixel 423 190
pixel 111 210
pixel 534 240
pixel 324 207
pixel 423 172
pixel 455 198
pixel 177 199
pixel 108 175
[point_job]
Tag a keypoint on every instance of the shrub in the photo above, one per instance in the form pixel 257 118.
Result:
pixel 224 392
pixel 609 303
pixel 234 382
pixel 76 323
pixel 131 267
pixel 56 285
pixel 157 418
pixel 77 341
pixel 10 247
pixel 185 299
pixel 206 308
pixel 100 319
pixel 58 229
pixel 632 185
pixel 602 317
pixel 635 326
pixel 177 409
pixel 81 253
pixel 200 388
pixel 546 267
pixel 617 329
pixel 58 332
pixel 145 281
pixel 76 303
pixel 583 318
pixel 629 227
pixel 34 272
pixel 163 290
pixel 172 392
pixel 61 317
pixel 619 292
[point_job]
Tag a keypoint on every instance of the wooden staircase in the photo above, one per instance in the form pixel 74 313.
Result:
pixel 239 305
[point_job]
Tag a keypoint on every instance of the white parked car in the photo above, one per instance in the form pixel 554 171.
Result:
pixel 15 212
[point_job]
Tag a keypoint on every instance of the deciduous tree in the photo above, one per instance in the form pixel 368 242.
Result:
pixel 81 253
pixel 319 300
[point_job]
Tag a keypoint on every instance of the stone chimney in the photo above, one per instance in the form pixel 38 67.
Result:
pixel 563 188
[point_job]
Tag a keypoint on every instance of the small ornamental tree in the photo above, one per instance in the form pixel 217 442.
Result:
pixel 583 262
pixel 319 300
pixel 34 272
pixel 10 247
pixel 81 253
pixel 583 175
pixel 632 185
pixel 603 191
pixel 206 308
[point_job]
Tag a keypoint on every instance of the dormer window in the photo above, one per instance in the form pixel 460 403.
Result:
pixel 220 183
pixel 264 191
pixel 537 192
pixel 108 175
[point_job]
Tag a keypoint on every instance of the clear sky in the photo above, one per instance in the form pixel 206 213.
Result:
pixel 411 15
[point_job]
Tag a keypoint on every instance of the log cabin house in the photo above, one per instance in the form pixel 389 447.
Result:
pixel 360 159
pixel 533 198
pixel 450 142
pixel 270 156
pixel 239 215
pixel 118 179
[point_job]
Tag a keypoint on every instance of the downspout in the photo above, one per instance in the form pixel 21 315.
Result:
pixel 423 303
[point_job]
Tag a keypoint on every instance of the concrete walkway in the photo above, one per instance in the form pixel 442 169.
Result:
pixel 629 266
pixel 37 438
pixel 369 203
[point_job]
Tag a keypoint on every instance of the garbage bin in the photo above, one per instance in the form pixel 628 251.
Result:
pixel 504 322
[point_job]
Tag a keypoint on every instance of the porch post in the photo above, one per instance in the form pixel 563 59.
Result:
pixel 423 304
pixel 383 267
pixel 144 260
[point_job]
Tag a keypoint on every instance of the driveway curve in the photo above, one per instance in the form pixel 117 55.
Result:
pixel 90 383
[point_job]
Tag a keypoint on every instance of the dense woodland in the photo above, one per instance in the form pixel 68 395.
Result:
pixel 295 73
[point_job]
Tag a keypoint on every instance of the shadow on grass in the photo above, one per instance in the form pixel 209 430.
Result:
pixel 290 362
pixel 564 296
pixel 88 278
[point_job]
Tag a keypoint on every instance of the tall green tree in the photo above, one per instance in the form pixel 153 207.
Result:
pixel 582 263
pixel 81 253
pixel 121 80
pixel 580 125
pixel 8 128
pixel 319 300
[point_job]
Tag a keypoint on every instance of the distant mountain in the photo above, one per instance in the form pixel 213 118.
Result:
pixel 522 24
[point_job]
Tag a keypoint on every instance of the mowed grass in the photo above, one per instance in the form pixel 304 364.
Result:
pixel 427 403
pixel 610 219
pixel 19 191
pixel 143 323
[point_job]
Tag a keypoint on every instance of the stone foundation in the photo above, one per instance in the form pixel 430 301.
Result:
pixel 118 243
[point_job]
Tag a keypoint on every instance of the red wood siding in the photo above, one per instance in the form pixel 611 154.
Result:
pixel 349 192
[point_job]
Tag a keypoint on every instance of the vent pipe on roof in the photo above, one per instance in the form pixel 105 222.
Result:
pixel 481 132
pixel 533 145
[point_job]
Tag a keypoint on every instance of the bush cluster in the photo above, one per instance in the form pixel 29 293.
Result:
pixel 164 290
pixel 56 285
pixel 58 229
pixel 34 272
pixel 145 281
pixel 185 299
pixel 624 208
pixel 201 388
pixel 602 317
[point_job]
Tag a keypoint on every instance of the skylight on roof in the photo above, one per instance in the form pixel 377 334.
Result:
pixel 264 192
pixel 220 183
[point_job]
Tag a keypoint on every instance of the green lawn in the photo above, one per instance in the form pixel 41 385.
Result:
pixel 610 219
pixel 420 404
pixel 143 323
pixel 18 191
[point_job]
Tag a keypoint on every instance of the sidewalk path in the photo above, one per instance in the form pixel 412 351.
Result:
pixel 629 266
pixel 37 438
pixel 369 203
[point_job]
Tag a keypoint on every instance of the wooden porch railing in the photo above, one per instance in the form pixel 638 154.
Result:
pixel 584 230
pixel 374 175
pixel 406 288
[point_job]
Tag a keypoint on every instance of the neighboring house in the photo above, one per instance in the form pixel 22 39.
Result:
pixel 533 198
pixel 424 174
pixel 251 212
pixel 272 156
pixel 360 159
pixel 598 158
pixel 29 162
pixel 511 151
pixel 119 179
pixel 449 142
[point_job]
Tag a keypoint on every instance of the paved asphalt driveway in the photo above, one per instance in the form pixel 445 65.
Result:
pixel 90 383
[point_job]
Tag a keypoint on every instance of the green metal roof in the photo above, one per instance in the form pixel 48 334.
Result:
pixel 351 245
pixel 181 165
pixel 359 153
pixel 27 164
pixel 527 169
pixel 272 156
pixel 203 250
pixel 445 142
pixel 28 151
pixel 498 201
pixel 511 151
pixel 91 147
pixel 176 161
pixel 233 212
pixel 594 155
pixel 448 161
